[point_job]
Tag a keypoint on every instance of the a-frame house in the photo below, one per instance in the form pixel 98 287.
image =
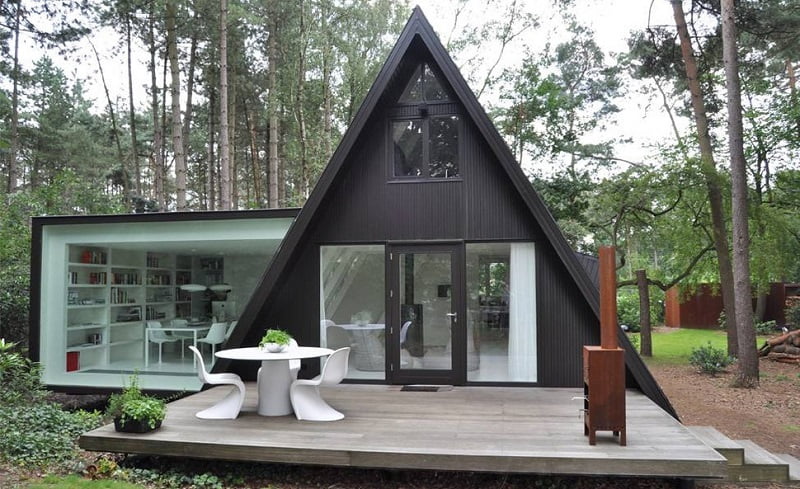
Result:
pixel 425 247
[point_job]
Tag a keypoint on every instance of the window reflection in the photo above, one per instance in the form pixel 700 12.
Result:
pixel 352 304
pixel 407 136
pixel 444 146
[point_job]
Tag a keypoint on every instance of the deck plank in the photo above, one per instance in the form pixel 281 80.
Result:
pixel 490 429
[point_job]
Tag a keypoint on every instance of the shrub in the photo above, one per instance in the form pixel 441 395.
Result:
pixel 793 312
pixel 34 432
pixel 628 311
pixel 41 434
pixel 765 328
pixel 709 360
pixel 635 340
pixel 20 378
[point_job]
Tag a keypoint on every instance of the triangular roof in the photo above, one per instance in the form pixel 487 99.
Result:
pixel 418 27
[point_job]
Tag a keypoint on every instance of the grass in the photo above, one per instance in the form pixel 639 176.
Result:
pixel 673 346
pixel 77 482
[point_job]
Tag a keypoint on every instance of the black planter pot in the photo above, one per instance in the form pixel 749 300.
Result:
pixel 134 426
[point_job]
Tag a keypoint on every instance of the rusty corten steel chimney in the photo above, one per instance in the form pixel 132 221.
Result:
pixel 608 298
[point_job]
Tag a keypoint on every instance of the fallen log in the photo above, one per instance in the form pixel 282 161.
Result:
pixel 784 358
pixel 784 348
pixel 791 335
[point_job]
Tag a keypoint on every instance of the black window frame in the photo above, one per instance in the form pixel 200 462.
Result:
pixel 426 150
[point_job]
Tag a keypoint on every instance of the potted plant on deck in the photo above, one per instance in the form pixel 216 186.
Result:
pixel 275 341
pixel 135 412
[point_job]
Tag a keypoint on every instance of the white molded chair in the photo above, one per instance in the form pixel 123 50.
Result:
pixel 214 337
pixel 158 336
pixel 405 359
pixel 231 404
pixel 304 394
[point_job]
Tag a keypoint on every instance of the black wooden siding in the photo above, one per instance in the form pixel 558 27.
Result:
pixel 364 206
pixel 565 323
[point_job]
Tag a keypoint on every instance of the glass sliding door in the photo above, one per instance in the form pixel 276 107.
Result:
pixel 352 304
pixel 425 296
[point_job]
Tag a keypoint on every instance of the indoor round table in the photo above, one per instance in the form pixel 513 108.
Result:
pixel 275 378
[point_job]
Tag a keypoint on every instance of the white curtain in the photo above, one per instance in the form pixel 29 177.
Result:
pixel 522 313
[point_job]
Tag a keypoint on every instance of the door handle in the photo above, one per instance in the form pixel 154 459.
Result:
pixel 451 314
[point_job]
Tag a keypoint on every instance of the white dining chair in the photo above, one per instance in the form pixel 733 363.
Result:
pixel 304 394
pixel 181 335
pixel 230 405
pixel 214 337
pixel 156 335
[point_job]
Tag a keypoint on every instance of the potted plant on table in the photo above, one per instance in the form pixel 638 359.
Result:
pixel 275 341
pixel 134 411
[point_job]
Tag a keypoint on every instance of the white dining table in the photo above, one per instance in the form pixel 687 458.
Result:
pixel 176 329
pixel 369 352
pixel 275 379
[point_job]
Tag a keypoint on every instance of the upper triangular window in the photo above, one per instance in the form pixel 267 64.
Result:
pixel 424 86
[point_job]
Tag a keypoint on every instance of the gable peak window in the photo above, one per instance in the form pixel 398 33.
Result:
pixel 424 86
pixel 425 144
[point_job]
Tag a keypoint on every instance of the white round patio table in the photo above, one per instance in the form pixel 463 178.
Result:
pixel 275 379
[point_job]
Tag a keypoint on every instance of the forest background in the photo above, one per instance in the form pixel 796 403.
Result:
pixel 238 104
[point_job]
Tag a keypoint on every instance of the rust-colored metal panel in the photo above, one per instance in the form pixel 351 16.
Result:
pixel 608 297
pixel 698 310
pixel 604 392
pixel 672 310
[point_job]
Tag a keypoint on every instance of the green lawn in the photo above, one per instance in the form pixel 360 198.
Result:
pixel 77 482
pixel 673 346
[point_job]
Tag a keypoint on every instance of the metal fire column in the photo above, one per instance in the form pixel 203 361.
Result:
pixel 604 365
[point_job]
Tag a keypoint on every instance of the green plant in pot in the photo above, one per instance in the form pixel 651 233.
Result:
pixel 275 340
pixel 135 412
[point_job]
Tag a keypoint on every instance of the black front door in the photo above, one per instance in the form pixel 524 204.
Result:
pixel 425 338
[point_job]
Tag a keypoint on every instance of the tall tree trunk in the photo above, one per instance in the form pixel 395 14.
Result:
pixel 11 184
pixel 188 113
pixel 272 107
pixel 711 176
pixel 645 336
pixel 137 172
pixel 327 104
pixel 283 174
pixel 211 194
pixel 175 93
pixel 233 189
pixel 158 130
pixel 747 374
pixel 305 171
pixel 114 129
pixel 224 149
pixel 252 130
pixel 164 164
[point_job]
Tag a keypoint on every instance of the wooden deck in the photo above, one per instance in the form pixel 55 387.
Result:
pixel 490 429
